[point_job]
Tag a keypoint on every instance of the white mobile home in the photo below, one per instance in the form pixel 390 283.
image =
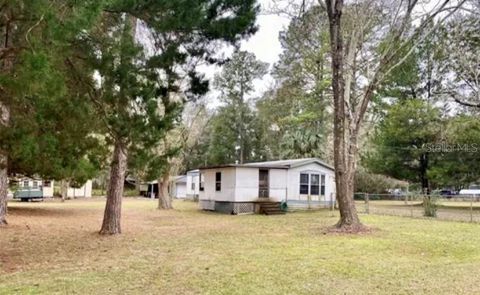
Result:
pixel 85 191
pixel 238 188
pixel 179 190
pixel 193 184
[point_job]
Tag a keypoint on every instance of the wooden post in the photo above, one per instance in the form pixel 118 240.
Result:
pixel 332 205
pixel 367 203
pixel 471 209
pixel 411 206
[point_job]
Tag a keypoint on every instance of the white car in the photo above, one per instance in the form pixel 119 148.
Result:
pixel 470 192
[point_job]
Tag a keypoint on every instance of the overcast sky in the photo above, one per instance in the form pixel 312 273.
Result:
pixel 264 44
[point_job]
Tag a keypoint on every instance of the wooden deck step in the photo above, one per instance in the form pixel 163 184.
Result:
pixel 271 208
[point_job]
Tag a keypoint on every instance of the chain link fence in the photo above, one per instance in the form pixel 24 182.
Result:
pixel 465 208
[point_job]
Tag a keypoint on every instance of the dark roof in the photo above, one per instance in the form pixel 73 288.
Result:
pixel 193 172
pixel 280 164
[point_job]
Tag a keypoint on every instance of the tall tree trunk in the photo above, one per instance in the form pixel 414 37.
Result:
pixel 3 173
pixel 113 207
pixel 164 200
pixel 5 122
pixel 423 174
pixel 344 171
pixel 241 151
pixel 64 184
pixel 137 183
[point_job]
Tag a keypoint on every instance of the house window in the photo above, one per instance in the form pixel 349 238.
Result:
pixel 303 184
pixel 322 186
pixel 47 183
pixel 218 181
pixel 202 184
pixel 314 184
pixel 35 184
pixel 193 186
pixel 25 183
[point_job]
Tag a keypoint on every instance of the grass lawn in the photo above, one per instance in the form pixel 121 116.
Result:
pixel 54 247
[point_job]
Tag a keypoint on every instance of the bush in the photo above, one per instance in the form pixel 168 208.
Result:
pixel 430 206
pixel 131 193
pixel 367 182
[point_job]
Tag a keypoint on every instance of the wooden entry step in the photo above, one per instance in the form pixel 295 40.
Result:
pixel 270 208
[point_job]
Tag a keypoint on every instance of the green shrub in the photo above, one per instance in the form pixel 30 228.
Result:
pixel 131 193
pixel 367 182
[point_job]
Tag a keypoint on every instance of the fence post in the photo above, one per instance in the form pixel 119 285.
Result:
pixel 309 205
pixel 332 204
pixel 367 203
pixel 471 209
pixel 411 205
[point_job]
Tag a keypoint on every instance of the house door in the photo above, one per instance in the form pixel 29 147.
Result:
pixel 263 184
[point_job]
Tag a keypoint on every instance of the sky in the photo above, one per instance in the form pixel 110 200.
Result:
pixel 264 44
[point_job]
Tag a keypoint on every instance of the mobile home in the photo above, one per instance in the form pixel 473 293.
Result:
pixel 240 188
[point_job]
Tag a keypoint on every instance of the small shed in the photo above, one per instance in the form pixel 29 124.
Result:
pixel 84 191
pixel 177 188
pixel 238 188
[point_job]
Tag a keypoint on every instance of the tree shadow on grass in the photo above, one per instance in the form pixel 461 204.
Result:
pixel 41 212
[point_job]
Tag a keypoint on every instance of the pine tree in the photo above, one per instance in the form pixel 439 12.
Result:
pixel 42 107
pixel 142 84
pixel 235 124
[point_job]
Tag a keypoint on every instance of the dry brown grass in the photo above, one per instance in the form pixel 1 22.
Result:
pixel 54 248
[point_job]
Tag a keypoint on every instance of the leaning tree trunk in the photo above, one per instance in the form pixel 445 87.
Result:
pixel 344 171
pixel 113 208
pixel 164 200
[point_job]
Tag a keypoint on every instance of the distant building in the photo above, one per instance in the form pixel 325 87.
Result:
pixel 85 191
pixel 177 188
pixel 33 188
pixel 193 184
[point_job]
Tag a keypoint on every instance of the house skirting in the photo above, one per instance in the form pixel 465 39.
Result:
pixel 293 205
pixel 193 197
pixel 254 207
pixel 228 207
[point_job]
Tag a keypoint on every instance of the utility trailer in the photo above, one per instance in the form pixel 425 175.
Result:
pixel 26 194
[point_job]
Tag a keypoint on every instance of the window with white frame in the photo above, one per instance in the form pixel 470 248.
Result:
pixel 304 183
pixel 35 184
pixel 25 183
pixel 322 185
pixel 312 184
